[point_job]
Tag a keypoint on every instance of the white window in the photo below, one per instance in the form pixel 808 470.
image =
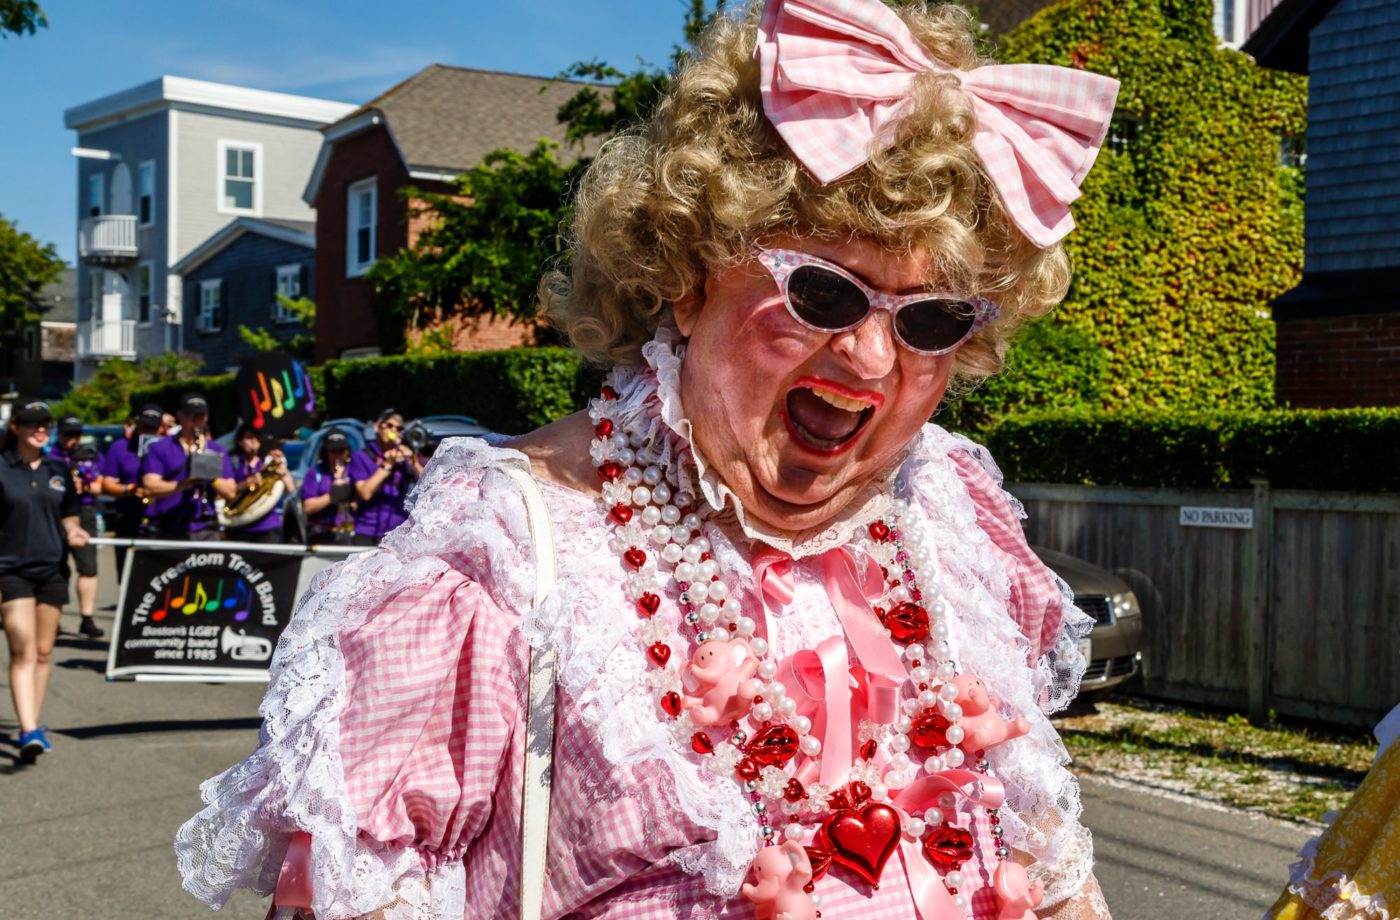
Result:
pixel 146 193
pixel 96 192
pixel 240 173
pixel 289 286
pixel 144 272
pixel 361 211
pixel 211 305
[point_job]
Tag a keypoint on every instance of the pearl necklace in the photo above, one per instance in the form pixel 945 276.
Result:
pixel 653 518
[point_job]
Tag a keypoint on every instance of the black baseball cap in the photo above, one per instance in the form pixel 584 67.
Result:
pixel 32 413
pixel 194 404
pixel 150 415
pixel 386 415
pixel 336 440
pixel 70 424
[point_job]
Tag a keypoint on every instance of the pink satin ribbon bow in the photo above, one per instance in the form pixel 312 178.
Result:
pixel 835 76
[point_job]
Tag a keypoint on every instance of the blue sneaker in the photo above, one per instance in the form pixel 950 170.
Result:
pixel 32 744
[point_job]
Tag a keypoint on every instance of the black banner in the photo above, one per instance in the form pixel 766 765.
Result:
pixel 202 610
pixel 274 394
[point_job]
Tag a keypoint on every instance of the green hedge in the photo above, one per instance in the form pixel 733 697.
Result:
pixel 511 391
pixel 1348 450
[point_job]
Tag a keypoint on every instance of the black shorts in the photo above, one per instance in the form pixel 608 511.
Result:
pixel 49 589
pixel 85 557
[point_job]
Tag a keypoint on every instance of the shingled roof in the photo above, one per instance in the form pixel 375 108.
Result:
pixel 448 118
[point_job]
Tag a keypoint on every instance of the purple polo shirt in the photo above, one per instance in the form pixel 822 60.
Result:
pixel 242 469
pixel 62 456
pixel 122 464
pixel 385 509
pixel 318 482
pixel 191 510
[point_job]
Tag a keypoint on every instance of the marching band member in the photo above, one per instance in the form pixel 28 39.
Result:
pixel 249 466
pixel 383 474
pixel 327 493
pixel 121 476
pixel 38 523
pixel 87 483
pixel 182 498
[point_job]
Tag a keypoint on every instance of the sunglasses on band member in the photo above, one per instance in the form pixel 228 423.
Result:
pixel 825 297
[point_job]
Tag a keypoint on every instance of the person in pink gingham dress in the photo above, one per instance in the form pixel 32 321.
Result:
pixel 835 211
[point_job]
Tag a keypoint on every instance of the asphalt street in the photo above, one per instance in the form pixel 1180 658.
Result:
pixel 85 834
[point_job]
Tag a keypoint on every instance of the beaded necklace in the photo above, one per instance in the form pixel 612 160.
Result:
pixel 728 705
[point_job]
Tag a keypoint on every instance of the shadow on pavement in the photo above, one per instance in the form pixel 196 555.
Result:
pixel 165 725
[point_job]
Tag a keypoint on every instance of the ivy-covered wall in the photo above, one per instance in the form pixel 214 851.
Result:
pixel 1189 226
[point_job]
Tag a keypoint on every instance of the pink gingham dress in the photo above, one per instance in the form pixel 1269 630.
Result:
pixel 393 729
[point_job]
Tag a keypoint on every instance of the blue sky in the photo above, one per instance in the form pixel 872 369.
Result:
pixel 348 50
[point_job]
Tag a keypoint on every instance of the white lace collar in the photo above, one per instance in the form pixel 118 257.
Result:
pixel 660 381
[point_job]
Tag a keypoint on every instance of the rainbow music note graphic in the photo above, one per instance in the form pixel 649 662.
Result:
pixel 304 386
pixel 289 401
pixel 258 420
pixel 215 601
pixel 200 599
pixel 178 602
pixel 277 410
pixel 299 391
pixel 158 615
pixel 241 596
pixel 266 400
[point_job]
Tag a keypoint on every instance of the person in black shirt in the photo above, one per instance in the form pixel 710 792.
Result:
pixel 38 521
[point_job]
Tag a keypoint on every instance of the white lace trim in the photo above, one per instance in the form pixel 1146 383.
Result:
pixel 1335 896
pixel 295 781
pixel 665 356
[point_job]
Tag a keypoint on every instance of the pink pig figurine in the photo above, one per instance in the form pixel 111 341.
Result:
pixel 782 873
pixel 1017 898
pixel 982 725
pixel 722 672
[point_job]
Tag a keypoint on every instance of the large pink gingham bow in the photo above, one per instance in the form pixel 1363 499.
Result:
pixel 835 76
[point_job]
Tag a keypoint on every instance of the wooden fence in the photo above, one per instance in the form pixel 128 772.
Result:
pixel 1299 612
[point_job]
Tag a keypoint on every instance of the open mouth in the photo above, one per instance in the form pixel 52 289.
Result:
pixel 823 420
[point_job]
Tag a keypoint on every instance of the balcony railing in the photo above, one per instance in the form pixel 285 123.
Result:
pixel 107 339
pixel 108 238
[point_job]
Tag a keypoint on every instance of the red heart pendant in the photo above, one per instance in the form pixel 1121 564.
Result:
pixel 610 470
pixel 609 392
pixel 746 769
pixel 868 750
pixel 773 746
pixel 647 604
pixel 879 531
pixel 930 730
pixel 603 428
pixel 671 703
pixel 839 800
pixel 634 557
pixel 863 839
pixel 907 622
pixel 948 847
pixel 659 653
pixel 860 793
pixel 821 861
pixel 794 792
pixel 621 514
pixel 700 743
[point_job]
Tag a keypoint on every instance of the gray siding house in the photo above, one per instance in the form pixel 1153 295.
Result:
pixel 162 167
pixel 1339 331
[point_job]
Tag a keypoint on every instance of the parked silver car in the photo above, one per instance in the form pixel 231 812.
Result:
pixel 1114 648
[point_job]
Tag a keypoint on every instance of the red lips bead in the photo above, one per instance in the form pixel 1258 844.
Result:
pixel 659 653
pixel 907 622
pixel 821 861
pixel 635 558
pixel 930 731
pixel 648 604
pixel 948 847
pixel 863 839
pixel 773 746
pixel 609 470
pixel 671 703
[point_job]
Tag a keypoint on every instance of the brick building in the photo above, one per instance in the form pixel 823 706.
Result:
pixel 1339 329
pixel 422 132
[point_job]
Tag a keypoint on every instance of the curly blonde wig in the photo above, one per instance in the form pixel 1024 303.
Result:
pixel 708 178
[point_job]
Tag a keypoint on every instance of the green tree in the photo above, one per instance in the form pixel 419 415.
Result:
pixel 106 398
pixel 26 265
pixel 21 17
pixel 1188 226
pixel 300 345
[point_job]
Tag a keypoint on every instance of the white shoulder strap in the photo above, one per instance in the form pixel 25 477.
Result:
pixel 539 726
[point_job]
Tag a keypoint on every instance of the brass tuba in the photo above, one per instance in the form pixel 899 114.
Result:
pixel 253 504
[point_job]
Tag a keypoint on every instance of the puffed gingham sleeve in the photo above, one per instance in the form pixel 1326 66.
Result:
pixel 391 722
